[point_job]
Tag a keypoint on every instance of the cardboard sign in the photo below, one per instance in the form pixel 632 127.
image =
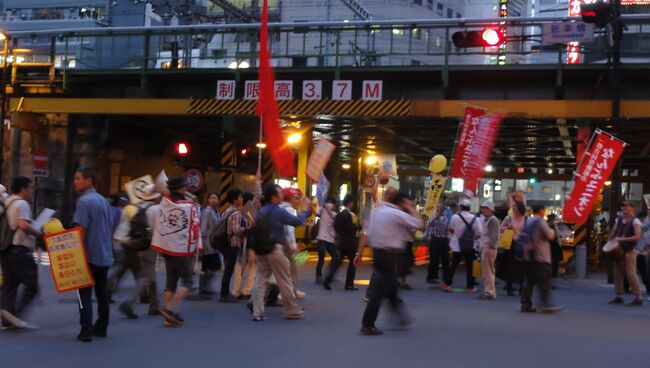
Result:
pixel 69 265
pixel 318 160
pixel 135 188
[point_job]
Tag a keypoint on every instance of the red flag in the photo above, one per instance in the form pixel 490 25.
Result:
pixel 466 135
pixel 584 133
pixel 596 166
pixel 480 150
pixel 267 107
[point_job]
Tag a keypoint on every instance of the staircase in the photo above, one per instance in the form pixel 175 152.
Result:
pixel 358 9
pixel 234 10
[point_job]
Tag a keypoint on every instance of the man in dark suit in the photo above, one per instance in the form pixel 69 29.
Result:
pixel 346 227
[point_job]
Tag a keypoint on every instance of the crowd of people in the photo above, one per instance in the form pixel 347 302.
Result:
pixel 254 242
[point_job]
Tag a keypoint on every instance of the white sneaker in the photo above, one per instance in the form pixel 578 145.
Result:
pixel 17 322
pixel 300 294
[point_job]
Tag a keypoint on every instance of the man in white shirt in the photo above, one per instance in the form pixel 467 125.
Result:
pixel 457 226
pixel 18 266
pixel 386 237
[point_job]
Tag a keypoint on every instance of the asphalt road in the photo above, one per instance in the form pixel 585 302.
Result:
pixel 450 330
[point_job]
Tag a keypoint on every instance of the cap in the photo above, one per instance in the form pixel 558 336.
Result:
pixel 465 202
pixel 489 205
pixel 176 182
pixel 291 192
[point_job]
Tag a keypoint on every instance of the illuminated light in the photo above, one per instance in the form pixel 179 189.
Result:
pixel 371 160
pixel 233 65
pixel 3 36
pixel 245 151
pixel 608 183
pixel 532 180
pixel 294 138
pixel 244 65
pixel 261 145
pixel 557 197
pixel 346 21
pixel 362 282
pixel 72 64
pixel 520 170
pixel 346 166
pixel 182 149
pixel 19 59
pixel 489 168
pixel 371 152
pixel 492 37
pixel 550 171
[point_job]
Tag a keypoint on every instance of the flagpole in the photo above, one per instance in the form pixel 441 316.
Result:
pixel 259 150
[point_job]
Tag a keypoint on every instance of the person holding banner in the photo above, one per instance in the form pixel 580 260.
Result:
pixel 18 266
pixel 627 232
pixel 93 215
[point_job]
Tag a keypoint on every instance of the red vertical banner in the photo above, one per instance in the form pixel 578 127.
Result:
pixel 481 150
pixel 267 107
pixel 594 169
pixel 466 135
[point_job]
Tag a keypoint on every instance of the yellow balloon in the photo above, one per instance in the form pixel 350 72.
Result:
pixel 53 226
pixel 437 163
pixel 130 211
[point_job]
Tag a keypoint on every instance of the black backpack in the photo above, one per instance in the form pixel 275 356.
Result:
pixel 219 238
pixel 6 232
pixel 467 238
pixel 140 233
pixel 261 233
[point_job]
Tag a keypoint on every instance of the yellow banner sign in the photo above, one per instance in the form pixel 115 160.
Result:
pixel 434 194
pixel 68 262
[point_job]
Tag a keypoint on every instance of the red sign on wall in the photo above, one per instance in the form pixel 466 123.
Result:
pixel 595 167
pixel 40 158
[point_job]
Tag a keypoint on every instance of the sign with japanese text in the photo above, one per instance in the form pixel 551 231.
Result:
pixel 68 263
pixel 466 135
pixel 595 167
pixel 433 195
pixel 480 150
pixel 574 8
pixel 565 32
pixel 226 90
pixel 319 158
pixel 283 90
pixel 252 90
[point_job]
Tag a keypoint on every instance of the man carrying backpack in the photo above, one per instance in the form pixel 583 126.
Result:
pixel 534 242
pixel 464 229
pixel 18 266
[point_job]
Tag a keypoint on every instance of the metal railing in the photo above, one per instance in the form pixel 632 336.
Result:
pixel 376 43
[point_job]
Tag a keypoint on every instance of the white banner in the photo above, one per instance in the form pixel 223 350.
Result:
pixel 177 228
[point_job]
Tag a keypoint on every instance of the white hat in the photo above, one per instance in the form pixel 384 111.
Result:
pixel 489 205
pixel 465 202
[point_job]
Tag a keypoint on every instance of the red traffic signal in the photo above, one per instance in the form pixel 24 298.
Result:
pixel 245 151
pixel 182 149
pixel 489 37
pixel 598 13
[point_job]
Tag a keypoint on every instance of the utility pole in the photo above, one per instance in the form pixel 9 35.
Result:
pixel 615 90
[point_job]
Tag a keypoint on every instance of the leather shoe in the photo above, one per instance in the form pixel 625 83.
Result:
pixel 371 331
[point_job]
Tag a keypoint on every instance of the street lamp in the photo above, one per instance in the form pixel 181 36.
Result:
pixel 294 138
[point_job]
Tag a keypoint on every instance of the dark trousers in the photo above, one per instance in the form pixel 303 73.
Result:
pixel 230 260
pixel 537 273
pixel 18 268
pixel 643 271
pixel 322 247
pixel 100 275
pixel 125 260
pixel 455 261
pixel 336 263
pixel 438 255
pixel 383 284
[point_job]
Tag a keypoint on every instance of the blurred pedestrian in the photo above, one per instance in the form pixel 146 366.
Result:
pixel 462 244
pixel 627 232
pixel 93 215
pixel 512 272
pixel 388 224
pixel 210 259
pixel 438 231
pixel 346 227
pixel 237 229
pixel 489 243
pixel 245 269
pixel 556 248
pixel 326 236
pixel 291 204
pixel 643 248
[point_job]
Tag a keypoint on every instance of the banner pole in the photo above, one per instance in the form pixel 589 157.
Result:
pixel 259 150
pixel 81 306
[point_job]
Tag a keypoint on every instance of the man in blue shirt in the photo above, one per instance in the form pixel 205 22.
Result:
pixel 276 263
pixel 93 215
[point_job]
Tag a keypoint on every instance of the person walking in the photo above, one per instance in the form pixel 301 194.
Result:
pixel 178 266
pixel 386 232
pixel 291 203
pixel 18 266
pixel 276 262
pixel 626 231
pixel 147 258
pixel 210 260
pixel 346 227
pixel 462 244
pixel 237 228
pixel 246 267
pixel 512 269
pixel 94 217
pixel 489 243
pixel 538 258
pixel 642 249
pixel 438 231
pixel 556 248
pixel 326 237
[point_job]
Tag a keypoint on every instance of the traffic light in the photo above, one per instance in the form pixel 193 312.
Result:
pixel 489 37
pixel 598 13
pixel 182 149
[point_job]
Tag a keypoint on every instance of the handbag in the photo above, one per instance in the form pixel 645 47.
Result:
pixel 506 239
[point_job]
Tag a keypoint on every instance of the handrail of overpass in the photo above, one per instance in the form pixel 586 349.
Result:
pixel 374 43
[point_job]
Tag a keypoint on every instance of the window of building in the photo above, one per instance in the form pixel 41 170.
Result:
pixel 458 15
pixel 417 33
pixel 417 2
pixel 439 9
pixel 450 13
pixel 430 4
pixel 437 41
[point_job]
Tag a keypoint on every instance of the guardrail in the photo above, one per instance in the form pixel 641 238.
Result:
pixel 375 43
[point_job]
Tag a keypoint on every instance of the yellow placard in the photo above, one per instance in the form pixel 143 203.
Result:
pixel 68 262
pixel 434 194
pixel 506 239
